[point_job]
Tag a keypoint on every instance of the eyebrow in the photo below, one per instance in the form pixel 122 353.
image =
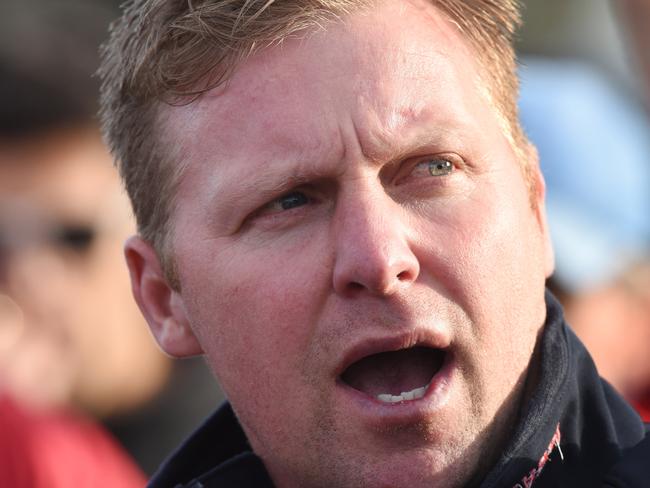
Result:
pixel 268 187
pixel 223 204
pixel 450 138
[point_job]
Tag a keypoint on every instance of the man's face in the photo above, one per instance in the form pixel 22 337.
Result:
pixel 350 195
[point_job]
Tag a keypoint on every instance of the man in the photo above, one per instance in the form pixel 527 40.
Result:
pixel 337 207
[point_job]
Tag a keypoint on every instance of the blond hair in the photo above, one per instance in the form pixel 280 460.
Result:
pixel 164 51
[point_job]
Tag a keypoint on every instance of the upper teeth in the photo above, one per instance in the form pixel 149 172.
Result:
pixel 404 396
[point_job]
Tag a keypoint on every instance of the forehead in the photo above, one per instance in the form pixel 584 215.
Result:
pixel 385 75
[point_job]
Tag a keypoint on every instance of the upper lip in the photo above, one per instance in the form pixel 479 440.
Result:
pixel 374 345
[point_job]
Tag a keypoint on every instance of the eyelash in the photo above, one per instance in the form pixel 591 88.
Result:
pixel 274 208
pixel 453 162
pixel 297 195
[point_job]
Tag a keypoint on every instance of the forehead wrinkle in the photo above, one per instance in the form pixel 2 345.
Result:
pixel 387 105
pixel 395 129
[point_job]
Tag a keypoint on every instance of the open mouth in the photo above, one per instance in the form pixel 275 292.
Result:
pixel 395 376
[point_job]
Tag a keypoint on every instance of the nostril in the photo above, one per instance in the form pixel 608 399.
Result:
pixel 355 286
pixel 379 280
pixel 405 276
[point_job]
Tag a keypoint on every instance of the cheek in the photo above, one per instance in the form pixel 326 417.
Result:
pixel 506 301
pixel 254 306
pixel 487 255
pixel 486 258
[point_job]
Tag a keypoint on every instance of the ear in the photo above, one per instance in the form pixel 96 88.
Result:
pixel 539 206
pixel 161 305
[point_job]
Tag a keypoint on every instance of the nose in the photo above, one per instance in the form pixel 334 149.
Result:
pixel 372 245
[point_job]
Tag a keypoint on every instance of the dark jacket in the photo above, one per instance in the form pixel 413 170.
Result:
pixel 574 431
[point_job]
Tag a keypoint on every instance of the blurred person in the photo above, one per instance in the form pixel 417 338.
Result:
pixel 594 146
pixel 337 207
pixel 62 221
pixel 72 344
pixel 69 345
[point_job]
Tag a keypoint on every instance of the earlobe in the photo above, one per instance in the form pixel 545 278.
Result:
pixel 161 305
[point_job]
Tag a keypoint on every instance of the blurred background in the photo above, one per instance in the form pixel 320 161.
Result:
pixel 585 103
pixel 82 383
pixel 86 397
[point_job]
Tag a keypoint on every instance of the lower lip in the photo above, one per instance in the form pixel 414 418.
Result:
pixel 408 411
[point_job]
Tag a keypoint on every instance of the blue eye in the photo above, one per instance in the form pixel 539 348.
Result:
pixel 292 200
pixel 440 167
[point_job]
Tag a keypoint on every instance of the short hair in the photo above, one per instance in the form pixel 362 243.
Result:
pixel 164 51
